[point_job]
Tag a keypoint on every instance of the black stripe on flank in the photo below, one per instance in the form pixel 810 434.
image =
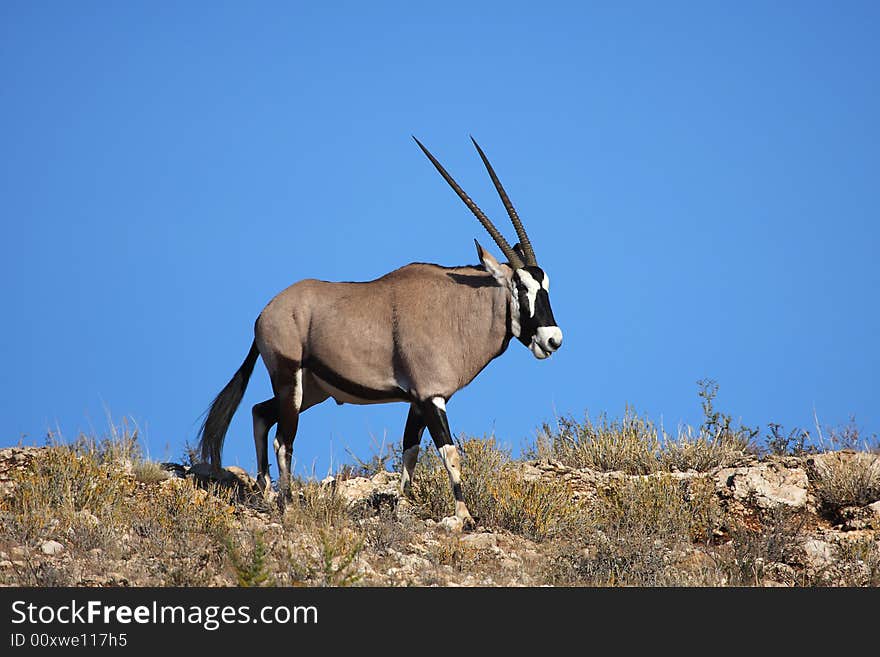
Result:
pixel 456 493
pixel 350 387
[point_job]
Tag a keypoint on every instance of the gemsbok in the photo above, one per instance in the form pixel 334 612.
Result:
pixel 416 335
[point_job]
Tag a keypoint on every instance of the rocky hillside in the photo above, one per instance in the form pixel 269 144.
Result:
pixel 99 518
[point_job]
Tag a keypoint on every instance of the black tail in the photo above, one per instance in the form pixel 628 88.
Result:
pixel 222 409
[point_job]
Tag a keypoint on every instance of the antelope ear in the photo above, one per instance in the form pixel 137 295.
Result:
pixel 492 266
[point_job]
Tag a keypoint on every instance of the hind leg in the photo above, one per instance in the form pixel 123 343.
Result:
pixel 265 415
pixel 289 394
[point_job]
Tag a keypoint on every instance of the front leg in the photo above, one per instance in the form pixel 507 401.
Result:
pixel 434 413
pixel 412 437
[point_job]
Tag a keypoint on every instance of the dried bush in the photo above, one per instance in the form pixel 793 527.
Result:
pixel 846 478
pixel 629 445
pixel 754 546
pixel 633 531
pixel 59 485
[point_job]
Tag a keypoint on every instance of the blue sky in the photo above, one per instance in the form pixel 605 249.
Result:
pixel 699 179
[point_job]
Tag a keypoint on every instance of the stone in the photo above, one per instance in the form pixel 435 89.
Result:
pixel 480 541
pixel 204 470
pixel 52 548
pixel 510 564
pixel 766 485
pixel 381 478
pixel 174 469
pixel 818 552
pixel 240 474
pixel 452 524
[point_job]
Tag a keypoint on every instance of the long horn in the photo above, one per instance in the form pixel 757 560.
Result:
pixel 509 253
pixel 526 245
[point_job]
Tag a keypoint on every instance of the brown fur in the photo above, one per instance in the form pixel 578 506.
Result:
pixel 425 329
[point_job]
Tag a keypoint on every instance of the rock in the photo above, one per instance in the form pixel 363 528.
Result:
pixel 695 561
pixel 240 474
pixel 174 469
pixel 480 541
pixel 203 470
pixel 52 548
pixel 5 564
pixel 381 478
pixel 875 509
pixel 819 553
pixel 380 491
pixel 510 564
pixel 414 563
pixel 766 485
pixel 452 524
pixel 780 574
pixel 854 518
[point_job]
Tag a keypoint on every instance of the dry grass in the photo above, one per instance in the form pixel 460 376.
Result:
pixel 629 445
pixel 846 478
pixel 496 493
pixel 634 530
pixel 755 551
pixel 635 446
pixel 658 524
pixel 60 490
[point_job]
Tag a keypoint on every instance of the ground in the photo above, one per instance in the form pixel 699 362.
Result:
pixel 101 516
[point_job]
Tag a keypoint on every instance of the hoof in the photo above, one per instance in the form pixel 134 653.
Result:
pixel 457 524
pixel 282 499
pixel 452 524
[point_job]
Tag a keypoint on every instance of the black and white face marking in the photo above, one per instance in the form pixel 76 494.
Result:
pixel 537 326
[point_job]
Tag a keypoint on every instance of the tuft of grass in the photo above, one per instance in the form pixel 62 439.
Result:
pixel 846 478
pixel 534 509
pixel 430 487
pixel 702 451
pixel 61 484
pixel 495 492
pixel 754 547
pixel 633 530
pixel 858 563
pixel 149 472
pixel 635 446
pixel 629 445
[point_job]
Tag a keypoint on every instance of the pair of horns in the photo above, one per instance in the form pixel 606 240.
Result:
pixel 513 256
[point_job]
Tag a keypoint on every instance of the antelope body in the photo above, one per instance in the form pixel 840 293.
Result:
pixel 416 335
